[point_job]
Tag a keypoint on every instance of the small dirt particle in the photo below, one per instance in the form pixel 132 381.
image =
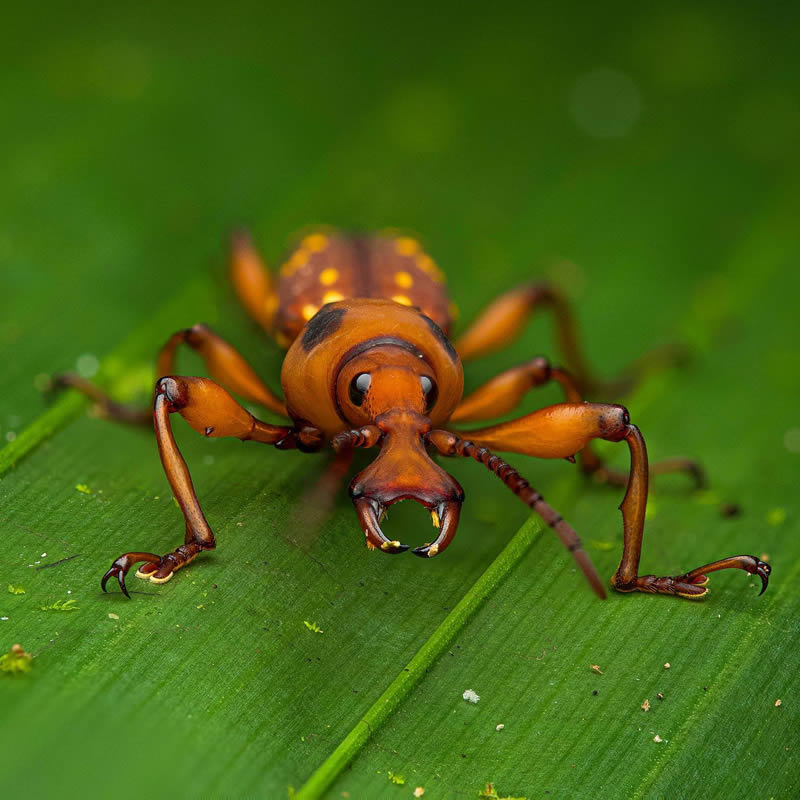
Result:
pixel 595 692
pixel 112 615
pixel 471 696
pixel 657 739
pixel 499 727
pixel 667 665
pixel 660 696
pixel 596 668
pixel 777 702
pixel 646 705
pixel 730 510
pixel 419 791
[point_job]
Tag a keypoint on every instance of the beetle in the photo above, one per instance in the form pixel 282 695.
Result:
pixel 365 320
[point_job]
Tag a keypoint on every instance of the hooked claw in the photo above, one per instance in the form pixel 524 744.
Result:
pixel 445 517
pixel 370 512
pixel 120 575
pixel 120 567
pixel 763 571
pixel 751 564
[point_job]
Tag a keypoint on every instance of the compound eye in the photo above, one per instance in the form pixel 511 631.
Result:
pixel 430 391
pixel 358 388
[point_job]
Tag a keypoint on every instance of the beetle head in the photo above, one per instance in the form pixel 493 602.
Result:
pixel 393 389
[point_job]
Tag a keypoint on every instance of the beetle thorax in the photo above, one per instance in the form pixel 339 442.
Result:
pixel 358 359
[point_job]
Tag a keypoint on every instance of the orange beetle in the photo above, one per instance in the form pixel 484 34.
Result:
pixel 369 364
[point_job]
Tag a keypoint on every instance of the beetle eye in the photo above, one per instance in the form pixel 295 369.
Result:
pixel 430 391
pixel 358 388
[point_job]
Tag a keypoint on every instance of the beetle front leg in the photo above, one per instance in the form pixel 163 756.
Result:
pixel 505 391
pixel 210 410
pixel 563 429
pixel 692 584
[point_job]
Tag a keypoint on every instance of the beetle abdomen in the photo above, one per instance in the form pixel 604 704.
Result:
pixel 329 267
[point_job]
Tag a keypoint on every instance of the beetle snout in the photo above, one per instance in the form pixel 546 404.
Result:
pixel 403 471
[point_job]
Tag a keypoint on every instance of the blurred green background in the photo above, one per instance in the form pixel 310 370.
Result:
pixel 644 159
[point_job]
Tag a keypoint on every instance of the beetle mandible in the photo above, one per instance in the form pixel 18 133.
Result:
pixel 370 365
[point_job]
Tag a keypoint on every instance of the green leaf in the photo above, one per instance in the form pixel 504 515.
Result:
pixel 137 143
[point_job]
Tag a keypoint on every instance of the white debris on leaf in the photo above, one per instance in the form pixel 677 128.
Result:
pixel 499 727
pixel 470 696
pixel 419 791
pixel 657 739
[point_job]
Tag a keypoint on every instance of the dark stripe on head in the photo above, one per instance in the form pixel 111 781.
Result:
pixel 440 335
pixel 325 322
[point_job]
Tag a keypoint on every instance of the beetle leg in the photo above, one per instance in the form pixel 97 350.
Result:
pixel 559 430
pixel 226 365
pixel 449 444
pixel 502 321
pixel 252 281
pixel 210 410
pixel 504 392
pixel 691 584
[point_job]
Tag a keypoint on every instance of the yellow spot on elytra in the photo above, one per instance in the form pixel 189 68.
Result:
pixel 329 276
pixel 406 246
pixel 299 259
pixel 403 280
pixel 332 297
pixel 316 243
pixel 427 264
pixel 309 309
pixel 435 518
pixel 402 299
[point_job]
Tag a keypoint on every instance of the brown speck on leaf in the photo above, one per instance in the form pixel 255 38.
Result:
pixel 596 668
pixel 660 696
pixel 419 791
pixel 730 510
pixel 777 702
pixel 646 705
pixel 667 665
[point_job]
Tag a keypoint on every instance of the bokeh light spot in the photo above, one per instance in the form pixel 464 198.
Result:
pixel 605 103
